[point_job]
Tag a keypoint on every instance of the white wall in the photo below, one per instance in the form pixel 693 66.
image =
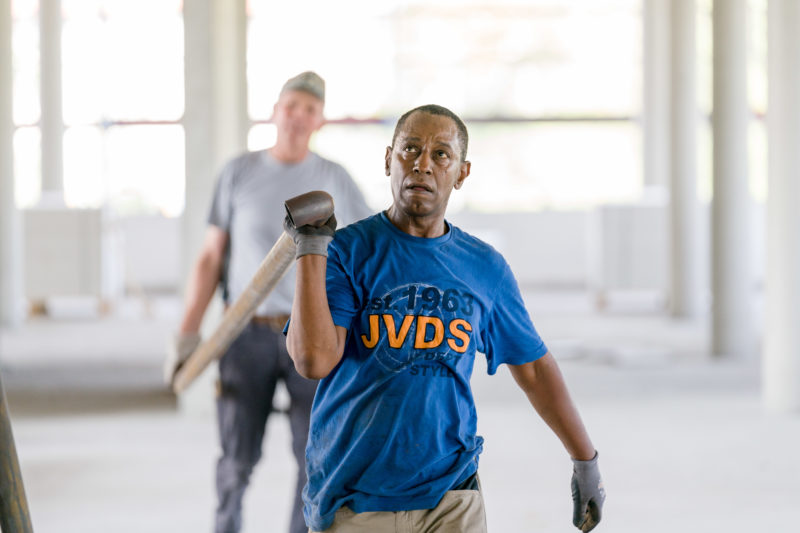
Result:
pixel 545 248
pixel 615 247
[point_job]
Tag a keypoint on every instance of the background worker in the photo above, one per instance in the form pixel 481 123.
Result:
pixel 390 316
pixel 245 221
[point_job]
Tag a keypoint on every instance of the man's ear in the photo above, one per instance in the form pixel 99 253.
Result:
pixel 387 159
pixel 466 166
pixel 320 123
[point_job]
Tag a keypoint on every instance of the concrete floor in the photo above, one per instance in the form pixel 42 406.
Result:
pixel 685 444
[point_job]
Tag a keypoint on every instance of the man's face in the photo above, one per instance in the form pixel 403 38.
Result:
pixel 425 164
pixel 298 114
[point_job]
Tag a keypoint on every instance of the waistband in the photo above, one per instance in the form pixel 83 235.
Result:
pixel 471 483
pixel 274 322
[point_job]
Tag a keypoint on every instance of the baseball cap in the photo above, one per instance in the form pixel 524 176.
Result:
pixel 307 81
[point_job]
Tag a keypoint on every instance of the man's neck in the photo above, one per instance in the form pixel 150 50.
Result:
pixel 288 152
pixel 427 226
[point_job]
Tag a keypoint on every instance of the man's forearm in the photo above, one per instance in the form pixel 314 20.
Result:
pixel 543 384
pixel 312 339
pixel 200 289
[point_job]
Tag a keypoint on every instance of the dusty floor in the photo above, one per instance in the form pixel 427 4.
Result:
pixel 684 441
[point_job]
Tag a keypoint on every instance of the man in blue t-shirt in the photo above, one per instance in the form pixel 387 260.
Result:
pixel 389 314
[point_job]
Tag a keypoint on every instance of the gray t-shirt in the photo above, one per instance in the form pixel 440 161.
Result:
pixel 248 204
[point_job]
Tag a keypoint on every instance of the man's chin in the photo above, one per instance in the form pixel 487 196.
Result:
pixel 297 133
pixel 420 209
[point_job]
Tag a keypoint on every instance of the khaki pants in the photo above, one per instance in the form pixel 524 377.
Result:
pixel 460 511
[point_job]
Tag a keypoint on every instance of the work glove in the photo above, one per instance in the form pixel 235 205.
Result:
pixel 311 240
pixel 588 494
pixel 178 351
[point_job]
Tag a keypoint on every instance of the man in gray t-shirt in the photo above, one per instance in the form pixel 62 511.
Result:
pixel 245 221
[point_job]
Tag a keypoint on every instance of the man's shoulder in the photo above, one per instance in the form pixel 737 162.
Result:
pixel 329 166
pixel 465 237
pixel 242 164
pixel 477 246
pixel 360 229
pixel 359 237
pixel 247 158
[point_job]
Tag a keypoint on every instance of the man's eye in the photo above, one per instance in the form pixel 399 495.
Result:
pixel 442 154
pixel 410 149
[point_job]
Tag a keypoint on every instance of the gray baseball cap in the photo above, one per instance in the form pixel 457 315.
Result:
pixel 309 82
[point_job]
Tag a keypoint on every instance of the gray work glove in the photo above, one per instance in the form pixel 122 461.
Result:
pixel 588 494
pixel 311 240
pixel 178 351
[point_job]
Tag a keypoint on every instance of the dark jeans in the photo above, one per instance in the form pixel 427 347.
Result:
pixel 249 372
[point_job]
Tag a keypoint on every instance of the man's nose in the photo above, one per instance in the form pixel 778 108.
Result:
pixel 423 163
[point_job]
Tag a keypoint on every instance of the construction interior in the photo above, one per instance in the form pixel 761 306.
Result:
pixel 635 161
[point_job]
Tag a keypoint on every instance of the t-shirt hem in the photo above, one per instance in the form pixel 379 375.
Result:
pixel 380 504
pixel 393 505
pixel 342 321
pixel 370 505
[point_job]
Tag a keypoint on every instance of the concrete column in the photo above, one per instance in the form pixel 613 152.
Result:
pixel 52 119
pixel 215 117
pixel 655 100
pixel 215 123
pixel 733 331
pixel 686 280
pixel 781 362
pixel 10 254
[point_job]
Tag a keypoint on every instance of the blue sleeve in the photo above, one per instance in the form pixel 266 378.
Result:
pixel 509 336
pixel 342 298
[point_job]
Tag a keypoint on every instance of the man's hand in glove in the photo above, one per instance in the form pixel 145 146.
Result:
pixel 178 351
pixel 588 494
pixel 311 240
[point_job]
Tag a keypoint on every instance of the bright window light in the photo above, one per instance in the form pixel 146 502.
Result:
pixel 27 166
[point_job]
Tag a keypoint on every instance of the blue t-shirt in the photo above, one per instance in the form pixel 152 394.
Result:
pixel 393 426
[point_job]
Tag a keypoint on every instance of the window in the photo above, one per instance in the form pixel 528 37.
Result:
pixel 551 117
pixel 122 81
